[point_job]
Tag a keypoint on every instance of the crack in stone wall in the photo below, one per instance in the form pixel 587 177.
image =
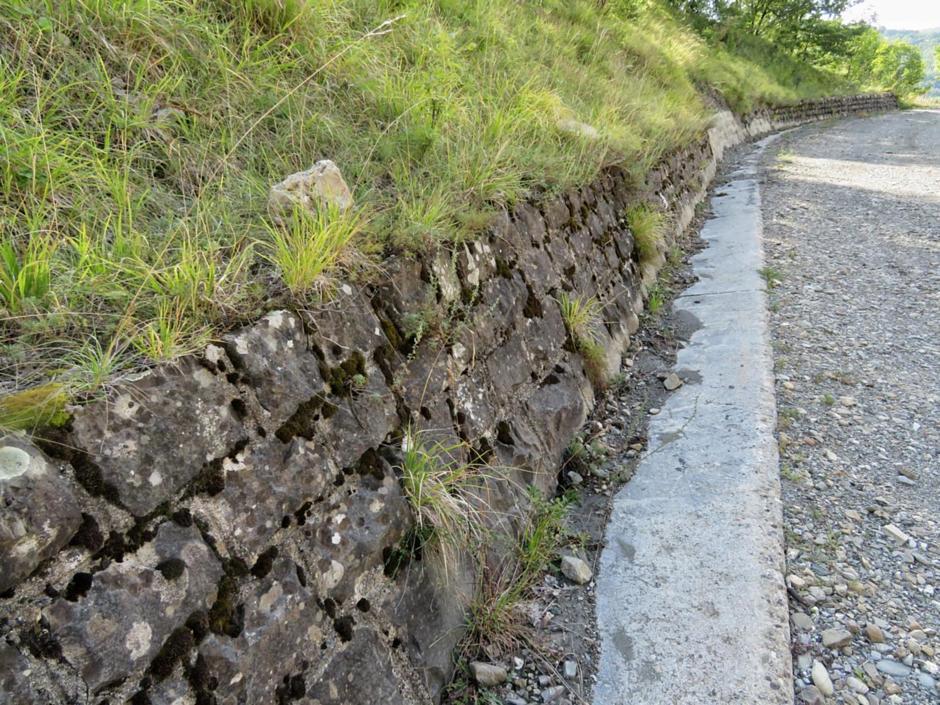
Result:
pixel 225 529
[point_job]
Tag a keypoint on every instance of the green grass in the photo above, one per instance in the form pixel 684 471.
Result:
pixel 582 317
pixel 309 245
pixel 656 299
pixel 496 625
pixel 138 141
pixel 771 275
pixel 647 225
pixel 442 491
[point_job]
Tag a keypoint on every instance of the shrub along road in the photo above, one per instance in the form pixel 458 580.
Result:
pixel 851 214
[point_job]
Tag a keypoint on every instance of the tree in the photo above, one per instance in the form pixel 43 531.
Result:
pixel 899 67
pixel 861 57
pixel 798 26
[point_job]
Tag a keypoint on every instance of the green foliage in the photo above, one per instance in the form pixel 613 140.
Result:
pixel 890 65
pixel 811 32
pixel 439 484
pixel 308 245
pixel 542 535
pixel 899 67
pixel 581 315
pixel 771 276
pixel 495 623
pixel 25 275
pixel 928 41
pixel 646 224
pixel 656 299
pixel 34 408
pixel 595 363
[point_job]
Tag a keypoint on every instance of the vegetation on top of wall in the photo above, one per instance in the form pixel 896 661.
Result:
pixel 928 43
pixel 138 141
pixel 810 31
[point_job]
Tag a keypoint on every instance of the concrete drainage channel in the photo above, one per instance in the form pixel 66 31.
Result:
pixel 691 602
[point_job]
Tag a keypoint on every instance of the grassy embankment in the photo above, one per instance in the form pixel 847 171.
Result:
pixel 138 141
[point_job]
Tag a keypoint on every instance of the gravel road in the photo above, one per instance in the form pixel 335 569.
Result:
pixel 852 236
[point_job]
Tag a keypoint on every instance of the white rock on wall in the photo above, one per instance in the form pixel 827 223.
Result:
pixel 321 184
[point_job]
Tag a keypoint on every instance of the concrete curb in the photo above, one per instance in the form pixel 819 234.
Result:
pixel 692 604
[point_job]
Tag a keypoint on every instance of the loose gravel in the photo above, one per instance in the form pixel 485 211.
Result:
pixel 852 232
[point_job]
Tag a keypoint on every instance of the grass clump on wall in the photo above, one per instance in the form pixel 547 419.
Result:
pixel 138 141
pixel 582 317
pixel 646 224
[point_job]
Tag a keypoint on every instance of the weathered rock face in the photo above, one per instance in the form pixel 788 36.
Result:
pixel 233 529
pixel 130 608
pixel 280 640
pixel 277 365
pixel 157 434
pixel 38 512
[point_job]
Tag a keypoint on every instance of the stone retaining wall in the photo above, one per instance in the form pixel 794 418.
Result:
pixel 232 528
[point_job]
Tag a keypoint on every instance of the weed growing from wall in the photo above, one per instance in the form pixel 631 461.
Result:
pixel 582 317
pixel 647 226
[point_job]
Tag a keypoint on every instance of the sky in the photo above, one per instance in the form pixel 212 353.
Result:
pixel 898 14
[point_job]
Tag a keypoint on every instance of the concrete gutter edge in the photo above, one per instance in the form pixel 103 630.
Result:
pixel 692 604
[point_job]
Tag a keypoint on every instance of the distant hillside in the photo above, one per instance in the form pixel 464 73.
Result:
pixel 927 40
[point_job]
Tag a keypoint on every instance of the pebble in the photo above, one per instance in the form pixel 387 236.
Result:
pixel 550 695
pixel 893 668
pixel 570 669
pixel 672 382
pixel 488 674
pixel 811 696
pixel 821 679
pixel 576 570
pixel 908 473
pixel 802 621
pixel 895 533
pixel 856 685
pixel 835 638
pixel 874 634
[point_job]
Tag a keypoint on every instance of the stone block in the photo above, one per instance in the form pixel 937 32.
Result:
pixel 360 673
pixel 264 483
pixel 156 433
pixel 557 410
pixel 273 357
pixel 130 608
pixel 350 531
pixel 38 512
pixel 360 419
pixel 428 607
pixel 344 326
pixel 281 638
